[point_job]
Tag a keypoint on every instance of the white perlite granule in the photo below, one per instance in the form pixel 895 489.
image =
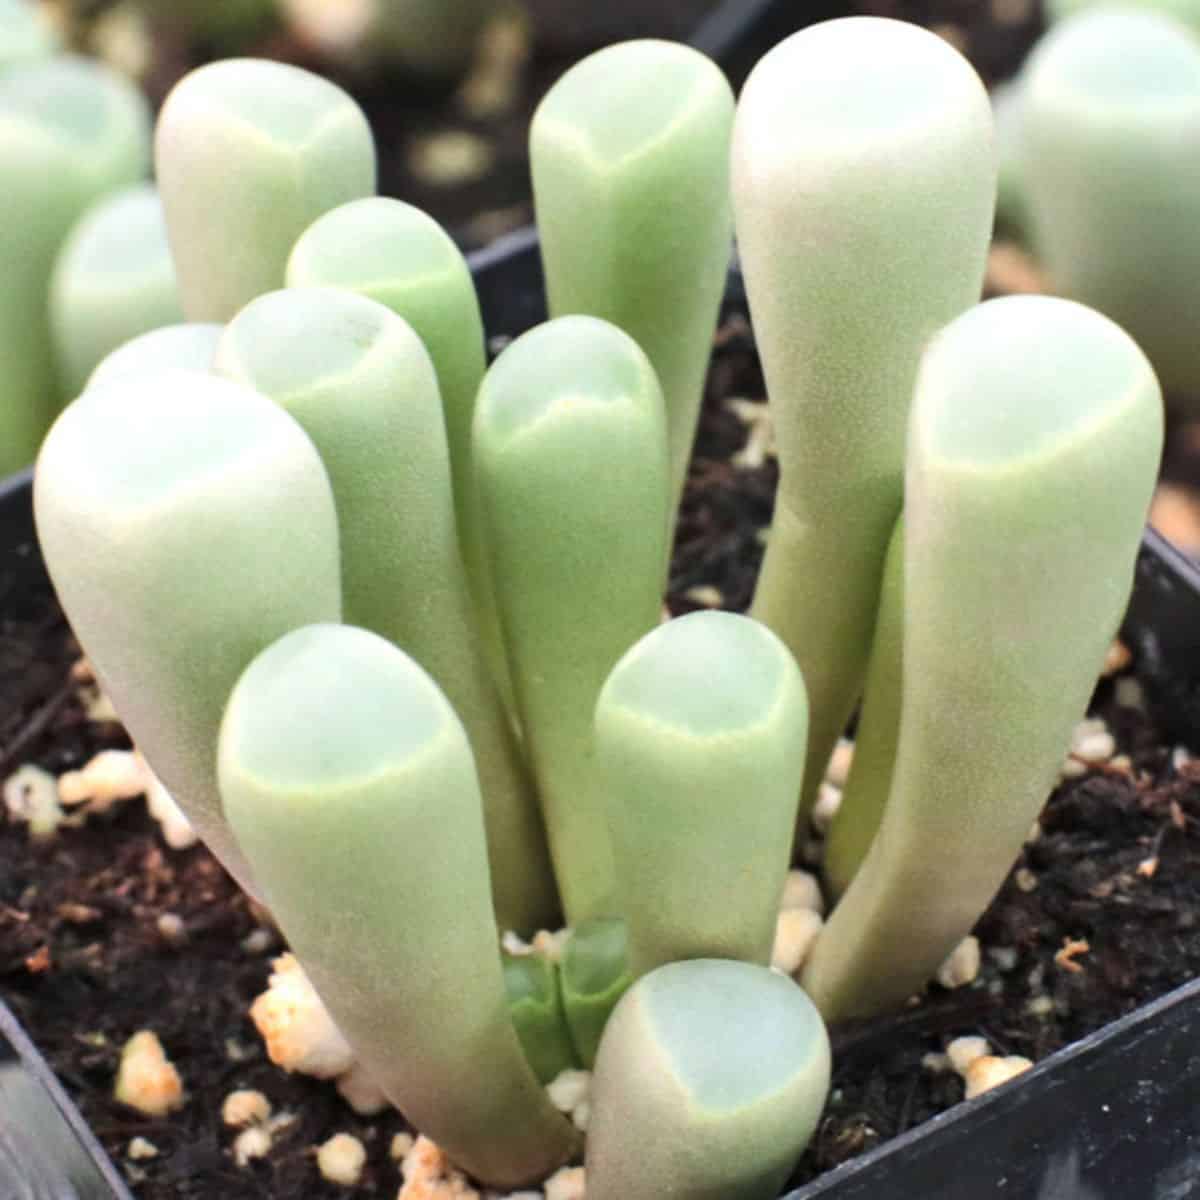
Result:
pixel 146 1079
pixel 962 964
pixel 341 1159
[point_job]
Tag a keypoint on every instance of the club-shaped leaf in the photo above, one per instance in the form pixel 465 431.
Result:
pixel 630 159
pixel 536 1008
pixel 594 975
pixel 1110 136
pixel 571 464
pixel 189 347
pixel 346 776
pixel 864 182
pixel 710 1081
pixel 1036 432
pixel 113 280
pixel 396 254
pixel 360 382
pixel 187 522
pixel 249 153
pixel 70 131
pixel 870 779
pixel 700 737
pixel 1012 206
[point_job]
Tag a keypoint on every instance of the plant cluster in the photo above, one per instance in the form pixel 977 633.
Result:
pixel 386 621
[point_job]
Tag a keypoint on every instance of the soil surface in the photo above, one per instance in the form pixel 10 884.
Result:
pixel 85 964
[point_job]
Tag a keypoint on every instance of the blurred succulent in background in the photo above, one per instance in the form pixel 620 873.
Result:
pixel 227 27
pixel 25 33
pixel 1095 140
pixel 1185 11
pixel 113 280
pixel 433 40
pixel 390 625
pixel 1109 133
pixel 248 153
pixel 71 132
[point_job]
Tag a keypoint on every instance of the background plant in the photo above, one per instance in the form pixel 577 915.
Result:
pixel 248 153
pixel 1185 11
pixel 70 132
pixel 190 346
pixel 23 33
pixel 113 280
pixel 1109 126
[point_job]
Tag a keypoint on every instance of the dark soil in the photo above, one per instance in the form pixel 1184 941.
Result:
pixel 84 964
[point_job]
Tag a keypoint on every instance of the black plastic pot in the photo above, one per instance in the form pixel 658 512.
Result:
pixel 1114 1116
pixel 738 33
pixel 734 32
pixel 719 27
pixel 47 1151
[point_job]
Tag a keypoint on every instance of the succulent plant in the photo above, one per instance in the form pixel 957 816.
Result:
pixel 187 346
pixel 387 805
pixel 701 713
pixel 1012 211
pixel 70 132
pixel 620 148
pixel 1110 126
pixel 865 795
pixel 24 33
pixel 249 153
pixel 571 467
pixel 114 279
pixel 1036 432
pixel 340 545
pixel 339 362
pixel 863 187
pixel 394 253
pixel 1185 11
pixel 743 1095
